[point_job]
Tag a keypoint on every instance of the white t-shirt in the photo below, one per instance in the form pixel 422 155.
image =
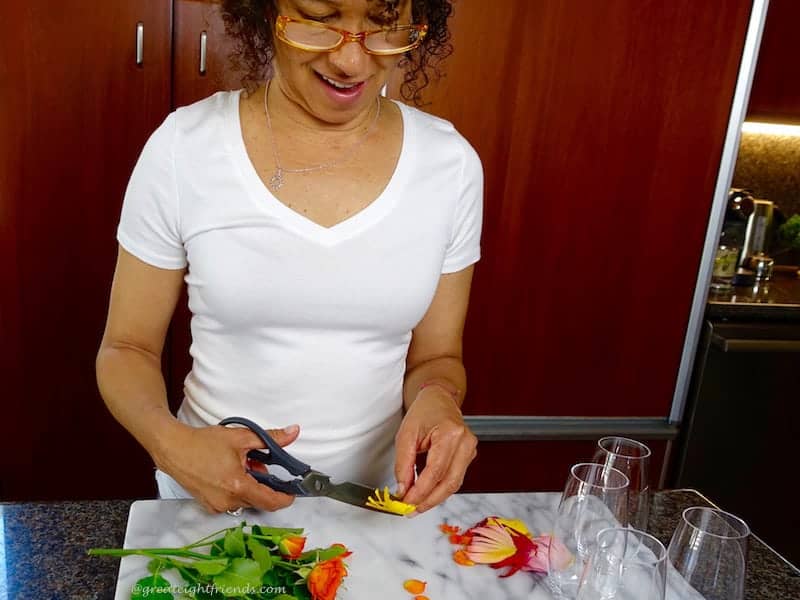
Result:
pixel 293 322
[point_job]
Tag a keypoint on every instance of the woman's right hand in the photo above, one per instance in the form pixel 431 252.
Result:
pixel 211 462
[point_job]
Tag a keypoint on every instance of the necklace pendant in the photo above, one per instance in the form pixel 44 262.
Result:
pixel 276 182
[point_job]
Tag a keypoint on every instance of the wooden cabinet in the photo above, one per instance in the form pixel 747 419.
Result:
pixel 75 110
pixel 600 126
pixel 775 96
pixel 195 21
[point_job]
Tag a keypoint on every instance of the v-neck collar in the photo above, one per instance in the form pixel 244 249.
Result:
pixel 300 224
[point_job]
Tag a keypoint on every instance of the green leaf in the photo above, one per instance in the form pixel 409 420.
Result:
pixel 259 553
pixel 218 547
pixel 188 575
pixel 271 578
pixel 211 567
pixel 301 592
pixel 324 554
pixel 789 232
pixel 243 576
pixel 154 587
pixel 234 543
pixel 285 597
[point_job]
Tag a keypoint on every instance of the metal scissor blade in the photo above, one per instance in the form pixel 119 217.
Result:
pixel 353 493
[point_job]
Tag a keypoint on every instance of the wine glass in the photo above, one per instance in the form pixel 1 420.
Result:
pixel 709 551
pixel 633 459
pixel 627 564
pixel 594 498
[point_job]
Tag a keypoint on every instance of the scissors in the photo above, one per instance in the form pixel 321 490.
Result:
pixel 308 482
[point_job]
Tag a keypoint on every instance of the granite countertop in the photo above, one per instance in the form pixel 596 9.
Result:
pixel 775 299
pixel 43 546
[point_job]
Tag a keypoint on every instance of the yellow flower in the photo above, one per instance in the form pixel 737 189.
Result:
pixel 387 504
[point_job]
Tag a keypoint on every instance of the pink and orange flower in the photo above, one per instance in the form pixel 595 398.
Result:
pixel 506 543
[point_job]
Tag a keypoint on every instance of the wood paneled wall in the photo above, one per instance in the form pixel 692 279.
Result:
pixel 775 96
pixel 75 112
pixel 600 126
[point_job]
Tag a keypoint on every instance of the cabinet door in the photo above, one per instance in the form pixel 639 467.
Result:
pixel 75 111
pixel 198 23
pixel 775 96
pixel 600 126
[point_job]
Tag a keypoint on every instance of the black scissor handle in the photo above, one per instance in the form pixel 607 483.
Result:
pixel 293 487
pixel 277 455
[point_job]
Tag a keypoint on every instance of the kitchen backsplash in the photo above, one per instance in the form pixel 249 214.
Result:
pixel 769 165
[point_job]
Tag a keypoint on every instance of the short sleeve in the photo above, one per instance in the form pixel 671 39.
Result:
pixel 464 248
pixel 149 226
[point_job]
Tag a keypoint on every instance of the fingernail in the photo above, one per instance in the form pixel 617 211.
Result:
pixel 412 514
pixel 401 489
pixel 291 429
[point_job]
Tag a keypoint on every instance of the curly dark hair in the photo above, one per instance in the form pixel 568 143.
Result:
pixel 245 22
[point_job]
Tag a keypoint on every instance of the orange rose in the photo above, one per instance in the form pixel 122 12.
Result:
pixel 325 578
pixel 292 546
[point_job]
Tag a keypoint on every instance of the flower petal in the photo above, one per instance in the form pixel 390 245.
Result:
pixel 445 528
pixel 460 557
pixel 551 549
pixel 460 540
pixel 387 504
pixel 490 544
pixel 291 546
pixel 414 586
pixel 510 524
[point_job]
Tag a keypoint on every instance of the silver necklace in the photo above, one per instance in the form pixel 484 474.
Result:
pixel 276 181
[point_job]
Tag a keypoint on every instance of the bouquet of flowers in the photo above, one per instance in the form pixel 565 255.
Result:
pixel 247 562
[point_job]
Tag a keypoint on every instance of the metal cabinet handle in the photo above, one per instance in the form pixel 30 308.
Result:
pixel 139 44
pixel 203 51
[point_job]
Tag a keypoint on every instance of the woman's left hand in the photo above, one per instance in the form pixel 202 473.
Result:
pixel 433 424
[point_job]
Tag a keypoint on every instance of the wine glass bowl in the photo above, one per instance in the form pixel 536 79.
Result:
pixel 594 498
pixel 627 564
pixel 633 459
pixel 709 551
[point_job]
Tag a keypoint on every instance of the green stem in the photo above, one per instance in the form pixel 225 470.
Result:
pixel 280 531
pixel 151 552
pixel 202 541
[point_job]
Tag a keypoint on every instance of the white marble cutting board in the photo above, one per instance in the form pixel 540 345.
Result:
pixel 387 549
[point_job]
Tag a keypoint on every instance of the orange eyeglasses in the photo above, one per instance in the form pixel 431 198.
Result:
pixel 313 36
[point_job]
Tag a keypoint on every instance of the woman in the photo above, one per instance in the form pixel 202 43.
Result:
pixel 327 237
